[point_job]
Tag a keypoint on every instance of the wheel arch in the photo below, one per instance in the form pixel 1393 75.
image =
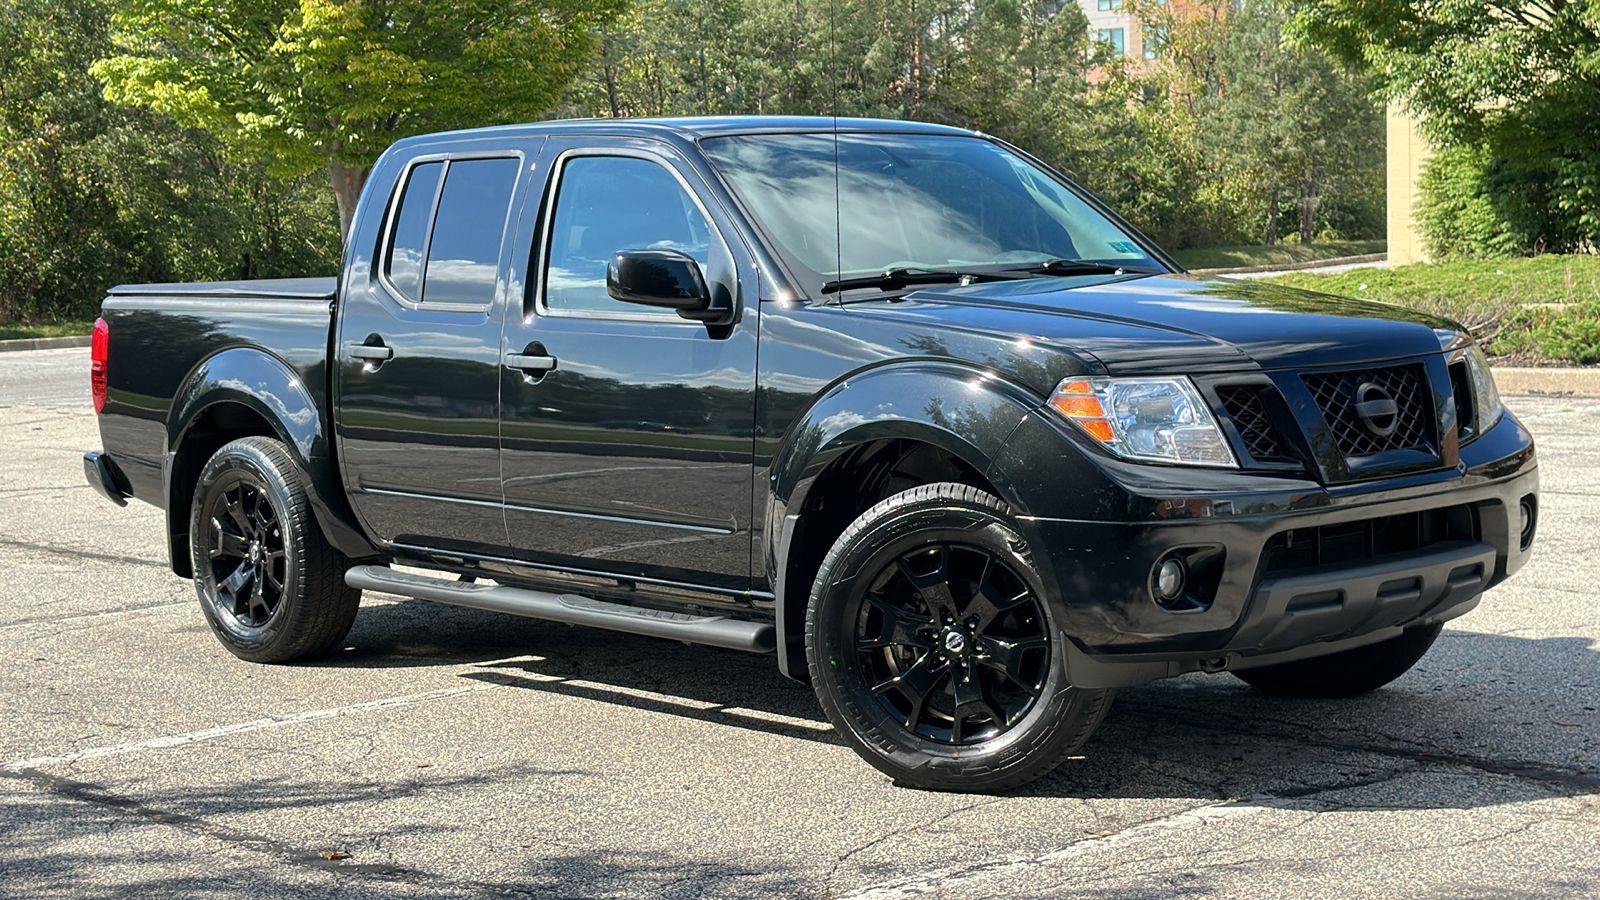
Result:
pixel 867 437
pixel 243 392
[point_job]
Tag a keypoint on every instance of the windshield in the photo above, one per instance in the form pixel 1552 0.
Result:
pixel 912 201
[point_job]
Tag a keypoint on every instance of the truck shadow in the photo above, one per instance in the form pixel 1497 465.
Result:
pixel 1515 713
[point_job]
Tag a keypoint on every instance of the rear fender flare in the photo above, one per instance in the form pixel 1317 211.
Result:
pixel 266 385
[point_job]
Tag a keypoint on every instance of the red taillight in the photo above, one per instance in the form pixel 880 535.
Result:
pixel 97 363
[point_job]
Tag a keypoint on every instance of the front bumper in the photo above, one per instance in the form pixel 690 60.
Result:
pixel 1259 603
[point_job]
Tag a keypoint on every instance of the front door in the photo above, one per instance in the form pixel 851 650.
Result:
pixel 627 448
pixel 418 349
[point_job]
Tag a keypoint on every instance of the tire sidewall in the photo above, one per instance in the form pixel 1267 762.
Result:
pixel 874 732
pixel 232 464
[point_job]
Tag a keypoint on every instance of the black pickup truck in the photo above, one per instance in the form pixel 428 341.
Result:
pixel 894 402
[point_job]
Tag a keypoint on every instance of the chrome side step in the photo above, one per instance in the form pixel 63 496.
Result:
pixel 716 631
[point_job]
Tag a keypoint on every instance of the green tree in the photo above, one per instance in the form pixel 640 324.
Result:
pixel 1514 84
pixel 310 83
pixel 1289 127
pixel 92 194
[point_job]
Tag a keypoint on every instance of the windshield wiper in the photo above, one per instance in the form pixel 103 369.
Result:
pixel 896 278
pixel 1081 267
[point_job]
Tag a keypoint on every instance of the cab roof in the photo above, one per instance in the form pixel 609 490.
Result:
pixel 694 128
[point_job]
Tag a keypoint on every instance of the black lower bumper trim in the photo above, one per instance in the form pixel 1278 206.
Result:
pixel 1325 604
pixel 104 476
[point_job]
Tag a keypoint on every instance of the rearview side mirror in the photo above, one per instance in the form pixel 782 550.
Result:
pixel 666 279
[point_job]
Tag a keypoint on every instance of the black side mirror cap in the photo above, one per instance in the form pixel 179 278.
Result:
pixel 666 279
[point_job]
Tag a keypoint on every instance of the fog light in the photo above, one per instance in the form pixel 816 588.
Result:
pixel 1169 580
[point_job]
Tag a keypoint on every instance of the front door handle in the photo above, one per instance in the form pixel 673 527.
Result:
pixel 534 361
pixel 370 352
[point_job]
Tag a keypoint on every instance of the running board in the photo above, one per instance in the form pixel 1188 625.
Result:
pixel 716 631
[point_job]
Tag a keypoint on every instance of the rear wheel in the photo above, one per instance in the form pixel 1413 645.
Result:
pixel 1345 674
pixel 270 585
pixel 934 652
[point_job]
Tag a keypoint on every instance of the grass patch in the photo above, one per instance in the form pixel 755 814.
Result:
pixel 1539 311
pixel 13 331
pixel 1276 255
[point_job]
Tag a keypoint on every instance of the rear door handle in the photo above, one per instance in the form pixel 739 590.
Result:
pixel 373 352
pixel 528 363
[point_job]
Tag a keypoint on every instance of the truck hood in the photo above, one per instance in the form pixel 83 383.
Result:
pixel 1184 322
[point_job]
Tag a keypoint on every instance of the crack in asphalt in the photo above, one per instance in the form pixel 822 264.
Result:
pixel 114 611
pixel 95 795
pixel 1576 780
pixel 844 857
pixel 59 550
pixel 1115 870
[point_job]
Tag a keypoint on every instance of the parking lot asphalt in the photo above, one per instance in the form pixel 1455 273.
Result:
pixel 450 752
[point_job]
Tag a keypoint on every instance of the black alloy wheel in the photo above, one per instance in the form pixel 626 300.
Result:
pixel 247 557
pixel 953 643
pixel 933 648
pixel 271 586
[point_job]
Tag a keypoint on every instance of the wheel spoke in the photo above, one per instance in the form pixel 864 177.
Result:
pixel 915 684
pixel 1006 657
pixel 238 587
pixel 900 628
pixel 234 504
pixel 270 571
pixel 225 543
pixel 971 703
pixel 934 587
pixel 987 605
pixel 258 601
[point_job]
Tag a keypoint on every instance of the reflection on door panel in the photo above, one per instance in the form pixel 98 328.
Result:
pixel 634 453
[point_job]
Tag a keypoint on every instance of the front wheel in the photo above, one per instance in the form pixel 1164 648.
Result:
pixel 1348 673
pixel 933 650
pixel 271 586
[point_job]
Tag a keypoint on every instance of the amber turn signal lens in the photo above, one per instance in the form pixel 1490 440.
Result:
pixel 1078 406
pixel 1099 429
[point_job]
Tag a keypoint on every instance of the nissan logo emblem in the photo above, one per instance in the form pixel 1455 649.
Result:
pixel 1376 409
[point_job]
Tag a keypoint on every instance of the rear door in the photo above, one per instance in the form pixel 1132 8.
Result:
pixel 418 351
pixel 632 454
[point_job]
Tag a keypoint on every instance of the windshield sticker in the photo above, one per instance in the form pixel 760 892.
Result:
pixel 1124 246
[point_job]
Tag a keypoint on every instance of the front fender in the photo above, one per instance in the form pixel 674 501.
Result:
pixel 963 410
pixel 254 379
pixel 967 411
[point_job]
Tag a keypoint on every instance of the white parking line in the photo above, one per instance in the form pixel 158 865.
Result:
pixel 1012 869
pixel 206 734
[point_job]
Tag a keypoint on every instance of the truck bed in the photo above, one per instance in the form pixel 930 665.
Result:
pixel 160 334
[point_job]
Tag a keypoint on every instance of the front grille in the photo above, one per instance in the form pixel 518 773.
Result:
pixel 1368 539
pixel 1335 393
pixel 1249 414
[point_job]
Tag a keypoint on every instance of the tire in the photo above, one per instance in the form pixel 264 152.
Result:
pixel 986 711
pixel 270 585
pixel 1345 674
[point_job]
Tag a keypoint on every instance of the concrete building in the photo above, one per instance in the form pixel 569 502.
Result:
pixel 1408 152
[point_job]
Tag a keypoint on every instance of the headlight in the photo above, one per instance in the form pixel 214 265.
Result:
pixel 1150 419
pixel 1487 407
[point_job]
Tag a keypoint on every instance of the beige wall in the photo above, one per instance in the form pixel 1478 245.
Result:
pixel 1407 153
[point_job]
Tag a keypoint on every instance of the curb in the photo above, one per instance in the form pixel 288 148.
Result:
pixel 1294 267
pixel 1550 382
pixel 50 343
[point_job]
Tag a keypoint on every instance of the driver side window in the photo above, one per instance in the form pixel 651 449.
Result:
pixel 609 203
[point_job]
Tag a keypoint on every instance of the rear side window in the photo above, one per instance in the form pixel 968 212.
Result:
pixel 445 243
pixel 408 239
